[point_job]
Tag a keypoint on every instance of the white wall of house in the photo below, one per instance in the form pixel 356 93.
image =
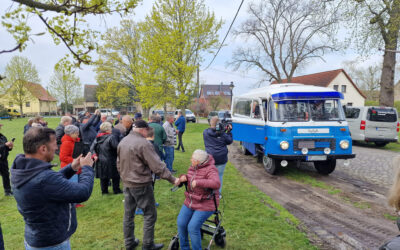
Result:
pixel 351 96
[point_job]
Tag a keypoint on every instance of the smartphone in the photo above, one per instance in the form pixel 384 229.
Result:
pixel 13 139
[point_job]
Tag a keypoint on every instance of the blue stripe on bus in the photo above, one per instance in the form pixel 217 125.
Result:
pixel 306 95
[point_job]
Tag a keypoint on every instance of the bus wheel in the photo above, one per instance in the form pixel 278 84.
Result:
pixel 325 167
pixel 244 149
pixel 270 165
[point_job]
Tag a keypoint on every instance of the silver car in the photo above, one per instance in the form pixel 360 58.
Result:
pixel 373 124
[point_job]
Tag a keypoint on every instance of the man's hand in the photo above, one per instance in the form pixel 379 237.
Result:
pixel 229 127
pixel 177 182
pixel 9 144
pixel 177 131
pixel 183 178
pixel 97 112
pixel 194 183
pixel 75 163
pixel 95 158
pixel 87 160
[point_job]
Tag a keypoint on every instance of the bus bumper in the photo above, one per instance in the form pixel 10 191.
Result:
pixel 303 157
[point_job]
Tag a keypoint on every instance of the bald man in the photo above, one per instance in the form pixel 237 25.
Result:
pixel 125 126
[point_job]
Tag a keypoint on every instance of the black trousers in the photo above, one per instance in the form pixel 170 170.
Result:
pixel 1 239
pixel 115 184
pixel 5 174
pixel 180 141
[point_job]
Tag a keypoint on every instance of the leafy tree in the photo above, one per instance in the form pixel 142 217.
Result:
pixel 19 71
pixel 3 111
pixel 376 24
pixel 177 35
pixel 65 86
pixel 119 65
pixel 283 35
pixel 215 102
pixel 64 20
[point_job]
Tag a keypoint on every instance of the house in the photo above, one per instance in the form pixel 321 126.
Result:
pixel 338 80
pixel 217 96
pixel 38 101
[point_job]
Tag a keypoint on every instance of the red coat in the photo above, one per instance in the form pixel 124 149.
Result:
pixel 206 176
pixel 66 150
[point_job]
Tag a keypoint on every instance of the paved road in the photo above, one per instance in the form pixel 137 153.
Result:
pixel 372 165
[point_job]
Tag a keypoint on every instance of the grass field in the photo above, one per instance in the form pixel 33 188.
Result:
pixel 252 220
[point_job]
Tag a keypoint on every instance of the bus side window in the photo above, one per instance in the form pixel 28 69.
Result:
pixel 255 110
pixel 265 108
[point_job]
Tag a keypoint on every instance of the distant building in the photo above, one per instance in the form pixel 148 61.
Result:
pixel 210 92
pixel 338 80
pixel 38 101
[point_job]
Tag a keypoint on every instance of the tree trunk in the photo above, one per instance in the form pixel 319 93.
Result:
pixel 20 108
pixel 386 96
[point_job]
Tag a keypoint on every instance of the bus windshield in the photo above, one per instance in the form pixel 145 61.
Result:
pixel 306 110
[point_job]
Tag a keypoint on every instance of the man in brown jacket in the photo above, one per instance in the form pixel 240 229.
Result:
pixel 136 161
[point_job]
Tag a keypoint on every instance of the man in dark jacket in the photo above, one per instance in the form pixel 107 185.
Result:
pixel 46 198
pixel 216 140
pixel 180 124
pixel 5 147
pixel 88 130
pixel 136 161
pixel 65 121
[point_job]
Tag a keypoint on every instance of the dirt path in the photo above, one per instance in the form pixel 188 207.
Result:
pixel 331 221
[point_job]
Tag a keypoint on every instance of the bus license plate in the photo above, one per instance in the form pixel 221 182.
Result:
pixel 316 158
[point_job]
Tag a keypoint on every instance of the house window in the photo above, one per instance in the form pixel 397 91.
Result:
pixel 210 93
pixel 10 104
pixel 216 92
pixel 336 87
pixel 344 88
pixel 227 93
pixel 27 104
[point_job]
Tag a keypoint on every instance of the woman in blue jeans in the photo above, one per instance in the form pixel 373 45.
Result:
pixel 201 178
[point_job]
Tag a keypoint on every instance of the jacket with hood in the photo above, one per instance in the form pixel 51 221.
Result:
pixel 136 161
pixel 105 147
pixel 207 179
pixel 216 144
pixel 88 130
pixel 46 198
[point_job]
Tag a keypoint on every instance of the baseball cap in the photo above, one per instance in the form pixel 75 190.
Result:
pixel 138 115
pixel 141 124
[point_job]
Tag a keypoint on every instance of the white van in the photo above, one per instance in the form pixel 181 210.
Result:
pixel 373 124
pixel 190 117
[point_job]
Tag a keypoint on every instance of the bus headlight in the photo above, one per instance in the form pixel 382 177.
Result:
pixel 344 144
pixel 327 151
pixel 284 145
pixel 304 151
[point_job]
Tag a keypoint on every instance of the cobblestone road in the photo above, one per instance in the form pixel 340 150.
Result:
pixel 372 165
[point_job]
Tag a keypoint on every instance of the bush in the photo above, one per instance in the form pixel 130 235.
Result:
pixel 3 111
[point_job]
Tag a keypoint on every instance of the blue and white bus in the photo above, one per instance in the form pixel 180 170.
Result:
pixel 285 123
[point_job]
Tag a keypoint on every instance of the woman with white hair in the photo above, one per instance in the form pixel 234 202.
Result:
pixel 68 144
pixel 202 178
pixel 104 149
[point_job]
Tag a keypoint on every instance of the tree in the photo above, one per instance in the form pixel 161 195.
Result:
pixel 376 24
pixel 64 20
pixel 283 35
pixel 19 71
pixel 65 86
pixel 366 78
pixel 215 102
pixel 177 35
pixel 119 65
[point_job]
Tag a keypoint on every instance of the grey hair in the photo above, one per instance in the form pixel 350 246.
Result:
pixel 65 119
pixel 213 122
pixel 110 119
pixel 200 155
pixel 169 117
pixel 105 126
pixel 71 129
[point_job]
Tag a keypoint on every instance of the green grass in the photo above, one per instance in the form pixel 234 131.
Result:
pixel 390 217
pixel 251 219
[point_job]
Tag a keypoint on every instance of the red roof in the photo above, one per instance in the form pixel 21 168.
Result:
pixel 322 79
pixel 39 92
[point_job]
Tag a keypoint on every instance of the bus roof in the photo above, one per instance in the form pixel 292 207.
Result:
pixel 292 91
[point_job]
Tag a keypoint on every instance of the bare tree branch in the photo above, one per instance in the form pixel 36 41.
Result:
pixel 11 50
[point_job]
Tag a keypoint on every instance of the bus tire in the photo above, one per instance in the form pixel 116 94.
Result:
pixel 380 144
pixel 244 149
pixel 270 165
pixel 325 167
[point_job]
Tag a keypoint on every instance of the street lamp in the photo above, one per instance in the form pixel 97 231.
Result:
pixel 231 86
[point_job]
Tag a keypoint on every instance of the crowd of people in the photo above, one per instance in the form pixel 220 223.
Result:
pixel 130 150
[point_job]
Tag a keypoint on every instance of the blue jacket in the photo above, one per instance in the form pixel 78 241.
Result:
pixel 216 144
pixel 88 130
pixel 180 124
pixel 46 198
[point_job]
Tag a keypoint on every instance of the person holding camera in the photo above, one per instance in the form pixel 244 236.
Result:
pixel 216 139
pixel 5 147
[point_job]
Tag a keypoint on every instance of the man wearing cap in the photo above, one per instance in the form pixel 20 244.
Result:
pixel 136 161
pixel 5 147
pixel 138 116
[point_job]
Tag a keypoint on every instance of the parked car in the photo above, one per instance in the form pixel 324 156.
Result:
pixel 109 112
pixel 379 125
pixel 13 112
pixel 160 112
pixel 190 117
pixel 223 115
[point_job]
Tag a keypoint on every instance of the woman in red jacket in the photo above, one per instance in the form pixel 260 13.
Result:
pixel 201 177
pixel 67 144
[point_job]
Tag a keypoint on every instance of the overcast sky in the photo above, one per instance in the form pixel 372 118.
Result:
pixel 44 54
